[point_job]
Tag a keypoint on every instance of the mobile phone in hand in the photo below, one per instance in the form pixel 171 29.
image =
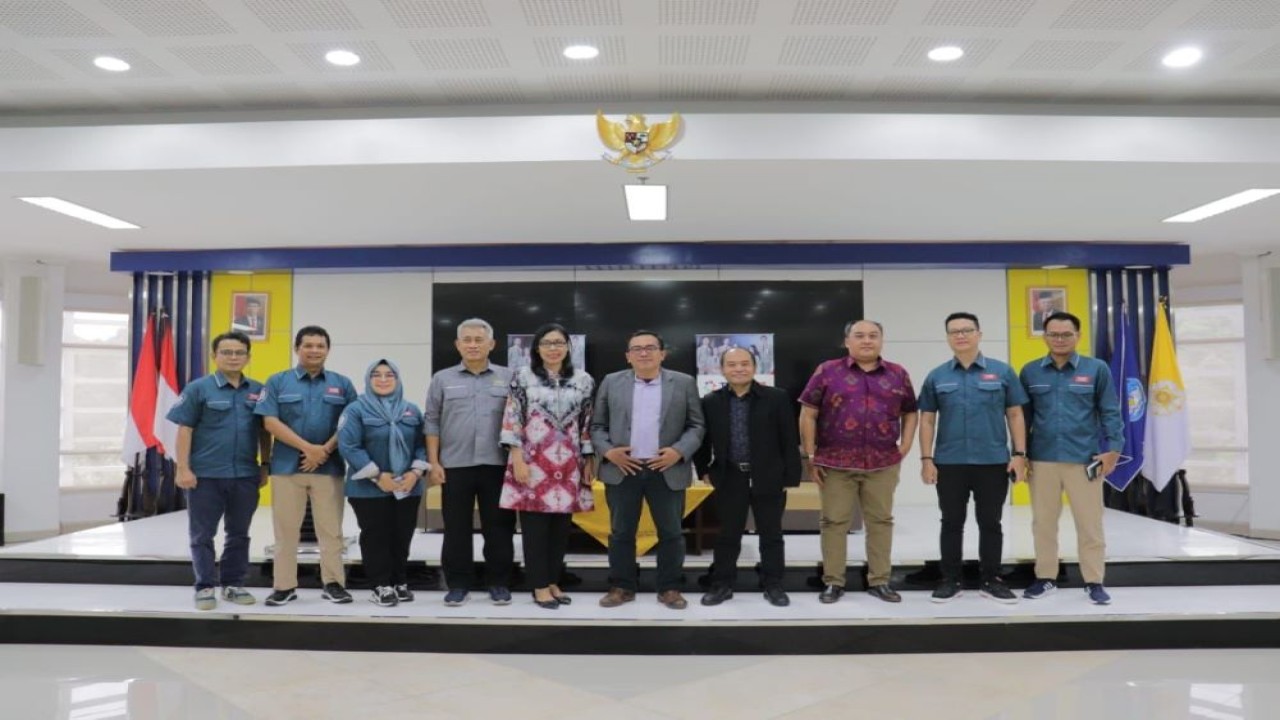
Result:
pixel 1092 469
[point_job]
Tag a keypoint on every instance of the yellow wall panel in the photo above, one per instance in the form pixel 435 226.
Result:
pixel 275 353
pixel 268 356
pixel 1023 345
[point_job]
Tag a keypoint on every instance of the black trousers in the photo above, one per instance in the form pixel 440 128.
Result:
pixel 545 537
pixel 463 489
pixel 733 497
pixel 666 506
pixel 989 485
pixel 386 531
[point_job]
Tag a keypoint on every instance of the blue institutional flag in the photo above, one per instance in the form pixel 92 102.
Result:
pixel 1133 404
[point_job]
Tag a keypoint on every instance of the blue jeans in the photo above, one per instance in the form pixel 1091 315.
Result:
pixel 211 500
pixel 626 500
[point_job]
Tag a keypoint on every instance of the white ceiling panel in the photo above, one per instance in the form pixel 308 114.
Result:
pixel 1130 15
pixel 48 19
pixel 437 14
pixel 735 49
pixel 978 13
pixel 480 53
pixel 263 60
pixel 827 13
pixel 701 13
pixel 303 15
pixel 225 60
pixel 170 18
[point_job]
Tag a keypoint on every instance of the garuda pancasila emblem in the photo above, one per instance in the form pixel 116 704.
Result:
pixel 639 146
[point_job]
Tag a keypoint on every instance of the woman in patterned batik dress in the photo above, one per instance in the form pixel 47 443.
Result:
pixel 548 474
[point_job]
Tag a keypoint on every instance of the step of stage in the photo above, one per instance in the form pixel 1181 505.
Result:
pixel 1170 617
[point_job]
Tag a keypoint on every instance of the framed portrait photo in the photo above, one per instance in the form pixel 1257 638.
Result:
pixel 249 313
pixel 1043 302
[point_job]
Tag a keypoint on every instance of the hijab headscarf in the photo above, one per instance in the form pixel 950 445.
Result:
pixel 391 408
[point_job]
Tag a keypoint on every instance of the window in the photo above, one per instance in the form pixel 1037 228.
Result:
pixel 95 393
pixel 1211 357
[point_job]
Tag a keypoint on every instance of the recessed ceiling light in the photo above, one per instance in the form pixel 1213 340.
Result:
pixel 1182 57
pixel 114 64
pixel 946 53
pixel 646 202
pixel 581 52
pixel 79 212
pixel 1217 207
pixel 1054 267
pixel 343 58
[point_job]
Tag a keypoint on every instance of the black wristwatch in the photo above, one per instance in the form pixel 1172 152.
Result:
pixel 1018 453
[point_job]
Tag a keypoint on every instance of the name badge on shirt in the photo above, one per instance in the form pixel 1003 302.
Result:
pixel 1085 379
pixel 989 376
pixel 253 397
pixel 333 391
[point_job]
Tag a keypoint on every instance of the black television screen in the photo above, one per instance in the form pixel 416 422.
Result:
pixel 805 318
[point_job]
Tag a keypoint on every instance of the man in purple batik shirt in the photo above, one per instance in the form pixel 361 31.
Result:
pixel 857 421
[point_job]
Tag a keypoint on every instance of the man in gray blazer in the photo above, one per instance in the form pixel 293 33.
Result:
pixel 646 427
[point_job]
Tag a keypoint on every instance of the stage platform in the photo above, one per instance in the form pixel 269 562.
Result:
pixel 1140 552
pixel 1174 587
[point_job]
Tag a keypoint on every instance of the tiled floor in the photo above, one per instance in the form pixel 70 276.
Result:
pixel 99 683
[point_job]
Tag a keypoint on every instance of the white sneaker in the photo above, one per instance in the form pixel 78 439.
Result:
pixel 206 599
pixel 238 595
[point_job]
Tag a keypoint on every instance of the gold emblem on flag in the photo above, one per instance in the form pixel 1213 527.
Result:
pixel 1167 398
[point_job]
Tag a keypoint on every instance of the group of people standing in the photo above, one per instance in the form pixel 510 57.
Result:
pixel 528 443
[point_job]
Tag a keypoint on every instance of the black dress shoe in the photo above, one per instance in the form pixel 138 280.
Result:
pixel 717 595
pixel 776 596
pixel 564 599
pixel 830 594
pixel 551 604
pixel 884 592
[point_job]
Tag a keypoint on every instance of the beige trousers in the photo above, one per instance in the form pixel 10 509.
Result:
pixel 841 492
pixel 1048 481
pixel 289 495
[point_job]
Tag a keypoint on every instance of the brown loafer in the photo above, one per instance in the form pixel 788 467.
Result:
pixel 673 599
pixel 617 596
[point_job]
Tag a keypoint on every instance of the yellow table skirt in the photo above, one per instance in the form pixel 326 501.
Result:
pixel 596 522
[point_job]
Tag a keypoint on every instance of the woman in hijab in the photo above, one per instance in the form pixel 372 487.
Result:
pixel 546 427
pixel 380 437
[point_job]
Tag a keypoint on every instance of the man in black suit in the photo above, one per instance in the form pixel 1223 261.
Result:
pixel 752 453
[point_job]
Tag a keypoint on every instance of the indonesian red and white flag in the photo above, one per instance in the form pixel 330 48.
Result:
pixel 138 428
pixel 166 431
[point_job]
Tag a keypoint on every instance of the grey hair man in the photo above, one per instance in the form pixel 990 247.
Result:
pixel 462 420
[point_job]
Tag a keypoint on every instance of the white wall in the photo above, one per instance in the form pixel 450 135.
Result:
pixel 912 305
pixel 370 316
pixel 88 287
pixel 30 408
pixel 1263 377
